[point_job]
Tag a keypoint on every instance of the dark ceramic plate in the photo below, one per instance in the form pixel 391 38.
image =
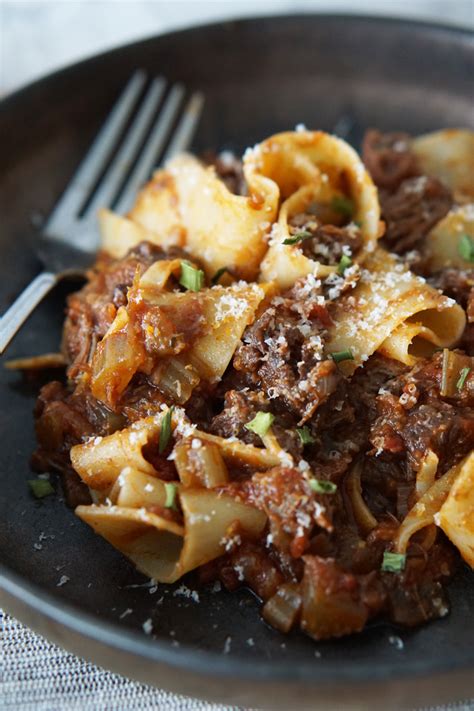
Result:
pixel 259 76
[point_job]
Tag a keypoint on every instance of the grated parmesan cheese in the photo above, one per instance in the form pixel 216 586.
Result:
pixel 187 593
pixel 147 626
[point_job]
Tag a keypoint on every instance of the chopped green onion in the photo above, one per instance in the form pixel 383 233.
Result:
pixel 220 272
pixel 466 248
pixel 358 223
pixel 299 237
pixel 191 278
pixel 339 356
pixel 170 491
pixel 393 562
pixel 261 423
pixel 344 263
pixel 462 378
pixel 40 488
pixel 342 205
pixel 165 431
pixel 305 435
pixel 321 486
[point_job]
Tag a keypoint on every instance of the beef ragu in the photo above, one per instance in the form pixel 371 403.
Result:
pixel 307 432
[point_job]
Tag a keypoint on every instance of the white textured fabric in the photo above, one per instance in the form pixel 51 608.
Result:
pixel 38 676
pixel 35 675
pixel 43 28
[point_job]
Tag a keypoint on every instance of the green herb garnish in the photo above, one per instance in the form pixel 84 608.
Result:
pixel 393 562
pixel 165 431
pixel 339 356
pixel 261 423
pixel 342 205
pixel 170 491
pixel 299 237
pixel 344 263
pixel 191 278
pixel 220 272
pixel 466 248
pixel 462 378
pixel 305 435
pixel 321 486
pixel 40 488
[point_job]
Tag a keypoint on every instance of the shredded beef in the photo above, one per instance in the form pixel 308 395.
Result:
pixel 65 418
pixel 467 342
pixel 340 427
pixel 388 158
pixel 229 169
pixel 470 304
pixel 412 210
pixel 91 310
pixel 328 242
pixel 413 417
pixel 292 507
pixel 241 406
pixel 76 493
pixel 411 203
pixel 283 350
pixel 251 564
pixel 459 285
pixel 62 421
pixel 417 595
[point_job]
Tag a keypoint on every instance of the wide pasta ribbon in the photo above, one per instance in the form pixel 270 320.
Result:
pixel 312 168
pixel 131 497
pixel 448 502
pixel 445 245
pixel 449 156
pixel 144 336
pixel 164 550
pixel 187 205
pixel 395 312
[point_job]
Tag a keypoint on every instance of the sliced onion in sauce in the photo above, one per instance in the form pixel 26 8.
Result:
pixel 453 364
pixel 365 520
pixel 281 610
pixel 429 537
pixel 425 477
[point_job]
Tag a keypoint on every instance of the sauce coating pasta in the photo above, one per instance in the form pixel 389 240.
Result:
pixel 270 378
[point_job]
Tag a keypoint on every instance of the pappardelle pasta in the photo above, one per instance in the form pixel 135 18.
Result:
pixel 270 378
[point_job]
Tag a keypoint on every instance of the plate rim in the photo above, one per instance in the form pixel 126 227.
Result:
pixel 203 662
pixel 408 23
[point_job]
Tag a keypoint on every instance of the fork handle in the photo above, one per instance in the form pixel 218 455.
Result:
pixel 24 305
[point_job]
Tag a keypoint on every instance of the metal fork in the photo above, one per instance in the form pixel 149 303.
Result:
pixel 68 240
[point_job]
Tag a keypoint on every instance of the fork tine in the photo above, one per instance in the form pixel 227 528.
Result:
pixel 186 128
pixel 92 165
pixel 153 146
pixel 128 150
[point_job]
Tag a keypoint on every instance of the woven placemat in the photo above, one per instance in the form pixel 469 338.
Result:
pixel 36 675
